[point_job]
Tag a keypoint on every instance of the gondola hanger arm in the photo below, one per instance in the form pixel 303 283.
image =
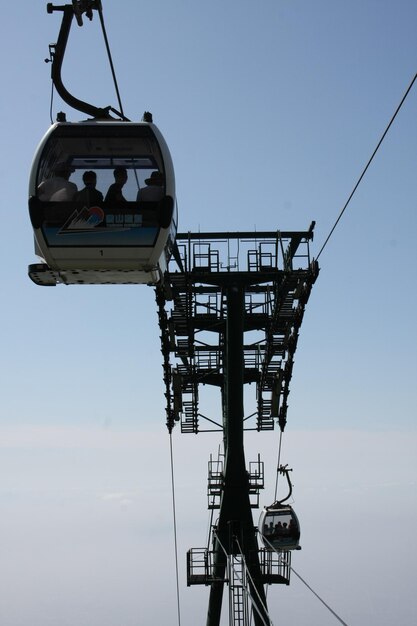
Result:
pixel 284 469
pixel 57 53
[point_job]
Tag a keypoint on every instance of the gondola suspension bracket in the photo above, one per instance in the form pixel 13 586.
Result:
pixel 57 52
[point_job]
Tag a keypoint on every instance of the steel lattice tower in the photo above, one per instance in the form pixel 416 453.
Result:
pixel 220 287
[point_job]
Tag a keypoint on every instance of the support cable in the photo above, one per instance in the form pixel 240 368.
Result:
pixel 106 41
pixel 276 485
pixel 367 165
pixel 317 596
pixel 251 580
pixel 175 528
pixel 306 584
pixel 52 102
pixel 243 585
pixel 278 466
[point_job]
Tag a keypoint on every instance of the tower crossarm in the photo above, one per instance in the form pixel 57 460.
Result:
pixel 276 274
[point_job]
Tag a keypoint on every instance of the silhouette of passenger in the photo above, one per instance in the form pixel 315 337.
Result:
pixel 154 190
pixel 114 193
pixel 89 196
pixel 293 529
pixel 58 188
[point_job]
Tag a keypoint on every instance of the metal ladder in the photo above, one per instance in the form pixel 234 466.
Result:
pixel 238 597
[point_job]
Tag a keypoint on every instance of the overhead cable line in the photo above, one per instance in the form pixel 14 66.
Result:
pixel 306 584
pixel 175 528
pixel 248 574
pixel 317 596
pixel 106 41
pixel 368 164
pixel 245 587
pixel 278 465
pixel 51 103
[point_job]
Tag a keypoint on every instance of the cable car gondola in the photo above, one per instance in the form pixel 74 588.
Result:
pixel 124 237
pixel 279 525
pixel 102 191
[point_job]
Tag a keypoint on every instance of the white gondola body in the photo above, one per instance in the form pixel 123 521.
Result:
pixel 279 528
pixel 110 242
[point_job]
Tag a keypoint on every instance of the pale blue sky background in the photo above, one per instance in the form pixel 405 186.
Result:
pixel 271 110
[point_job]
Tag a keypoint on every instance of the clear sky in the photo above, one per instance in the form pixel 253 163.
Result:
pixel 271 110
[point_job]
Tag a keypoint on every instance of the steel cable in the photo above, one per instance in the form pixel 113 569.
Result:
pixel 175 528
pixel 241 581
pixel 278 465
pixel 106 41
pixel 367 165
pixel 251 580
pixel 306 584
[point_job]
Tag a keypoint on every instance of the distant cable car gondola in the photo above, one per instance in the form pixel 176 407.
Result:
pixel 278 524
pixel 124 233
pixel 101 192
